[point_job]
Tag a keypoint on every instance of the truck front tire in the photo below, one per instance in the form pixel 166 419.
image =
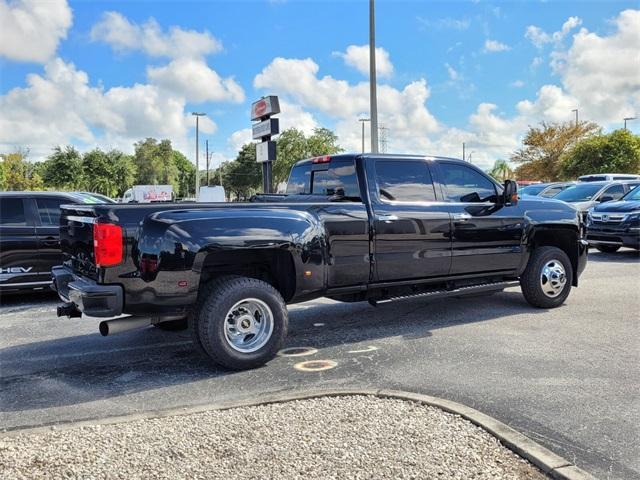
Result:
pixel 546 282
pixel 239 322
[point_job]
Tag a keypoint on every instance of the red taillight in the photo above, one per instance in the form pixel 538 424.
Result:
pixel 322 159
pixel 107 244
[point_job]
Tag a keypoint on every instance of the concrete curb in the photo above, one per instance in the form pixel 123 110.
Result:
pixel 547 461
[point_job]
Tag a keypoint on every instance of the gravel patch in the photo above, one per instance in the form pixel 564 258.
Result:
pixel 355 437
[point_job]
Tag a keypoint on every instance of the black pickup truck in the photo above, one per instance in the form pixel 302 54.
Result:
pixel 375 228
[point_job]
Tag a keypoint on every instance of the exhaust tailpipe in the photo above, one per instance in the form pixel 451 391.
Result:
pixel 119 325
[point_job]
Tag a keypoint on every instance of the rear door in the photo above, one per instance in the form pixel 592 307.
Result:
pixel 48 231
pixel 486 237
pixel 412 227
pixel 18 245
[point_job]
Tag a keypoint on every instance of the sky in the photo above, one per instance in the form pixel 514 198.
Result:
pixel 107 74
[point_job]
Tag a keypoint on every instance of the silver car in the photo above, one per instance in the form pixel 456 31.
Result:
pixel 585 195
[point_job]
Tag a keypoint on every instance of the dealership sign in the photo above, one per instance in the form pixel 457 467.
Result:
pixel 268 127
pixel 266 151
pixel 265 107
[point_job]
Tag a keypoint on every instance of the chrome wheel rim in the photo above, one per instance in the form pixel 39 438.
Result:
pixel 553 278
pixel 248 325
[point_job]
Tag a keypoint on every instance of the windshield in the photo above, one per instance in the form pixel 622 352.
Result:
pixel 532 189
pixel 579 193
pixel 633 194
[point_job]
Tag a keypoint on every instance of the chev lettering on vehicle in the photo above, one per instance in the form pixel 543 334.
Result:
pixel 15 270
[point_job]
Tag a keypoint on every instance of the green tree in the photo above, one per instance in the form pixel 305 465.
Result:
pixel 3 177
pixel 109 173
pixel 124 171
pixel 63 169
pixel 616 152
pixel 544 146
pixel 20 174
pixel 155 163
pixel 242 176
pixel 293 145
pixel 501 171
pixel 186 175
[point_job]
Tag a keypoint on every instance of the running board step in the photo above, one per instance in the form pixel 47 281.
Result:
pixel 456 292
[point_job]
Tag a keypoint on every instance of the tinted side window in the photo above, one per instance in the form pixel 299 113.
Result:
pixel 339 179
pixel 551 192
pixel 299 180
pixel 404 181
pixel 466 185
pixel 12 211
pixel 616 192
pixel 49 210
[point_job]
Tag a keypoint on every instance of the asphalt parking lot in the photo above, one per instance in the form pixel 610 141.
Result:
pixel 568 378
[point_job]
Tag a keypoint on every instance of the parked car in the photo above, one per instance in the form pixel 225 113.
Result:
pixel 613 225
pixel 585 195
pixel 375 228
pixel 608 177
pixel 29 236
pixel 547 190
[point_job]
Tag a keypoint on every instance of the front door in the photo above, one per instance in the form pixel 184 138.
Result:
pixel 412 228
pixel 486 236
pixel 18 245
pixel 48 232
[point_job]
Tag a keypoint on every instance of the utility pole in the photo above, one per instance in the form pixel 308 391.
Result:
pixel 197 115
pixel 207 157
pixel 628 119
pixel 363 120
pixel 373 98
pixel 576 112
pixel 464 158
pixel 383 138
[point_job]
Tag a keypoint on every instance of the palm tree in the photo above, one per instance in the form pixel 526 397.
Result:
pixel 501 171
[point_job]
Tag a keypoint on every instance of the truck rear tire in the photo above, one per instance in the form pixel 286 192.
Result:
pixel 240 322
pixel 546 282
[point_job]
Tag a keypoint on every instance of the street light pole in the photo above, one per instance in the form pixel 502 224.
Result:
pixel 373 98
pixel 463 151
pixel 626 119
pixel 197 115
pixel 576 112
pixel 207 158
pixel 362 120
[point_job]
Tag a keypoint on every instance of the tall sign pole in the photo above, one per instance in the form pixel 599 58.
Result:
pixel 197 115
pixel 264 128
pixel 373 98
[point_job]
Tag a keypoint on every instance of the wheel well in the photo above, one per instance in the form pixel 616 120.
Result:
pixel 565 239
pixel 272 266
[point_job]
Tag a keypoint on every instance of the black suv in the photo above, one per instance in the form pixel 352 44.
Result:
pixel 612 225
pixel 29 236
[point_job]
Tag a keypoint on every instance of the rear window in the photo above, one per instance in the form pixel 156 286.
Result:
pixel 404 181
pixel 338 179
pixel 49 210
pixel 12 212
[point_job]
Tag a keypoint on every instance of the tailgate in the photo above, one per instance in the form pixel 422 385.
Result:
pixel 76 238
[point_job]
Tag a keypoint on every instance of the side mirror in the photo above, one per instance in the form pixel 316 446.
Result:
pixel 606 198
pixel 510 194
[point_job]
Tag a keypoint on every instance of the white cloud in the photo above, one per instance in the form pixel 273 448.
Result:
pixel 357 56
pixel 92 116
pixel 124 35
pixel 446 23
pixel 603 72
pixel 517 84
pixel 536 62
pixel 30 30
pixel 196 81
pixel 540 38
pixel 492 46
pixel 452 72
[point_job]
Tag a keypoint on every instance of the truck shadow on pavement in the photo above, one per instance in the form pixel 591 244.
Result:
pixel 622 256
pixel 85 368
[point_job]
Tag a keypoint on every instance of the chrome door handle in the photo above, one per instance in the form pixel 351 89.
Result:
pixel 461 217
pixel 387 218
